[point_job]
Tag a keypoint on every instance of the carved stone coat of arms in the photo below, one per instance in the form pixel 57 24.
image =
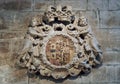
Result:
pixel 59 44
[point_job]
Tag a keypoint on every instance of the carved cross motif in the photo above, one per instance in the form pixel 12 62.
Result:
pixel 59 44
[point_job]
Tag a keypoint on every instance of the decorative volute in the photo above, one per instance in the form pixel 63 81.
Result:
pixel 59 44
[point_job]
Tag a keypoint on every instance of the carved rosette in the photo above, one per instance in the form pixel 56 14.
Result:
pixel 59 44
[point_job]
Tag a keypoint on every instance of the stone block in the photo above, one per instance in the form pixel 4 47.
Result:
pixel 15 5
pixel 18 76
pixel 110 39
pixel 110 70
pixel 71 82
pixel 117 74
pixel 98 83
pixel 17 20
pixel 4 71
pixel 41 81
pixel 111 57
pixel 16 47
pixel 12 34
pixel 103 36
pixel 76 5
pixel 109 19
pixel 4 44
pixel 81 79
pixel 11 76
pixel 97 4
pixel 114 83
pixel 42 5
pixel 114 4
pixel 99 74
pixel 19 45
pixel 4 51
pixel 115 39
pixel 2 23
pixel 110 43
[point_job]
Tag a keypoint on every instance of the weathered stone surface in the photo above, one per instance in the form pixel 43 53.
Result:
pixel 110 19
pixel 114 4
pixel 99 83
pixel 117 74
pixel 4 44
pixel 41 81
pixel 99 74
pixel 113 83
pixel 111 57
pixel 17 76
pixel 86 79
pixel 110 72
pixel 2 23
pixel 5 71
pixel 103 37
pixel 4 52
pixel 12 34
pixel 11 76
pixel 43 4
pixel 76 5
pixel 15 5
pixel 97 4
pixel 109 39
pixel 15 20
pixel 114 39
pixel 70 82
pixel 19 45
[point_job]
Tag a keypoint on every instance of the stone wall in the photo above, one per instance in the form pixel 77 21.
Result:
pixel 104 17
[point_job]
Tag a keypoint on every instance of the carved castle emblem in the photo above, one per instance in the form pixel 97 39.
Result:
pixel 59 44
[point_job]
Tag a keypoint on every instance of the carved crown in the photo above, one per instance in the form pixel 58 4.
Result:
pixel 59 14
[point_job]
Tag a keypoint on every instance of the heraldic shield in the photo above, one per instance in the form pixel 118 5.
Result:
pixel 59 44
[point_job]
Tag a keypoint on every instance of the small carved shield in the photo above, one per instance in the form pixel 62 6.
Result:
pixel 59 44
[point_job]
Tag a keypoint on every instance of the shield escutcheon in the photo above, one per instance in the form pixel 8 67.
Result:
pixel 60 50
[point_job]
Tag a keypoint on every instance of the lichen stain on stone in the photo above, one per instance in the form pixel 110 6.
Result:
pixel 15 5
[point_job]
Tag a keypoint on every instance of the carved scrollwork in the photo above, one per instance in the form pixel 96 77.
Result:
pixel 59 44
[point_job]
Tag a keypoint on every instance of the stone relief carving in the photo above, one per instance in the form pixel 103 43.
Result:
pixel 59 44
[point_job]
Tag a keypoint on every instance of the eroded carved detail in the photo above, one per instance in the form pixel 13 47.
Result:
pixel 59 44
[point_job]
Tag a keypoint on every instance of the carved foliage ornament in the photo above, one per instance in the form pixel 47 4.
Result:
pixel 59 44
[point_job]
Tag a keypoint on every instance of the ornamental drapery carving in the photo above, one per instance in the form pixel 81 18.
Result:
pixel 59 44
